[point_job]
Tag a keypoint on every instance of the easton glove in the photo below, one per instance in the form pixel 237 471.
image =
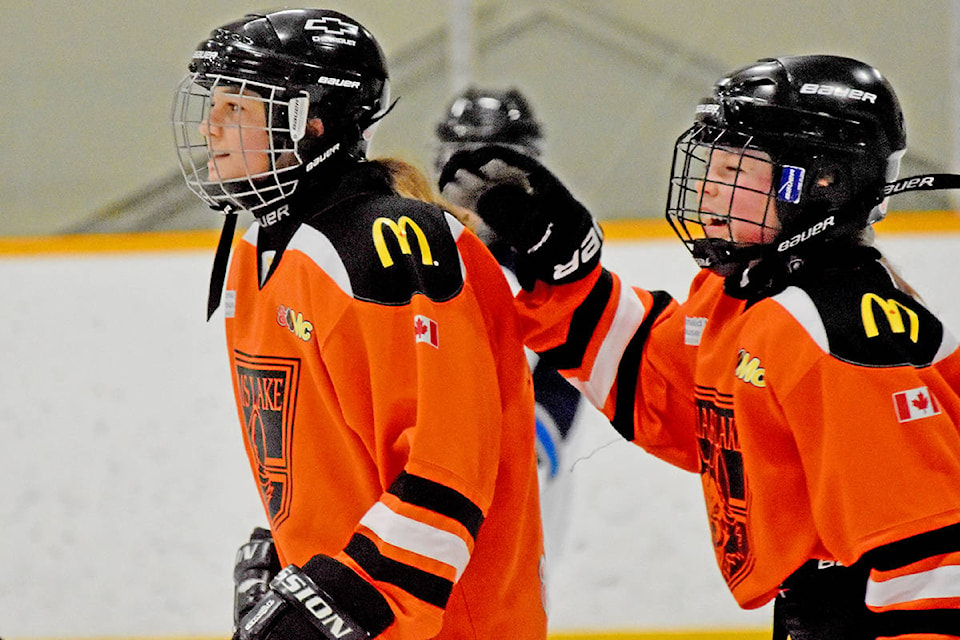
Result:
pixel 299 606
pixel 555 237
pixel 256 565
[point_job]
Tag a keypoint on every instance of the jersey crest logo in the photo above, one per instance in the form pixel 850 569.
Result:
pixel 893 310
pixel 725 485
pixel 401 230
pixel 915 404
pixel 267 393
pixel 750 371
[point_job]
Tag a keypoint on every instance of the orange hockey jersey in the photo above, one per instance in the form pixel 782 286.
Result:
pixel 387 410
pixel 823 420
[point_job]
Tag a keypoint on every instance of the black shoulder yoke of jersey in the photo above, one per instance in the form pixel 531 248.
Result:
pixel 393 248
pixel 868 320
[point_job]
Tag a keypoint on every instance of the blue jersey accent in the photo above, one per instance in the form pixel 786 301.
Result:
pixel 548 446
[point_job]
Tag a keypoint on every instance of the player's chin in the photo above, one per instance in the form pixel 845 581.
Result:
pixel 221 172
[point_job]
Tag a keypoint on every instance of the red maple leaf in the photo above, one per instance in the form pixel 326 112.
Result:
pixel 921 402
pixel 420 327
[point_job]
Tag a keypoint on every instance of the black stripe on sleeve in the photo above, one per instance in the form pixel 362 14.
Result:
pixel 891 624
pixel 628 371
pixel 915 548
pixel 421 584
pixel 432 495
pixel 584 322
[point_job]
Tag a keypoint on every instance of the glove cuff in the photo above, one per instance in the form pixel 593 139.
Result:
pixel 294 589
pixel 365 603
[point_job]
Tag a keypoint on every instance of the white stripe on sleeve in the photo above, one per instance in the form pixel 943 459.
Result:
pixel 941 582
pixel 627 318
pixel 418 537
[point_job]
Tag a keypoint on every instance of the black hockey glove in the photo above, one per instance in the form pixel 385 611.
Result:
pixel 256 565
pixel 555 237
pixel 299 606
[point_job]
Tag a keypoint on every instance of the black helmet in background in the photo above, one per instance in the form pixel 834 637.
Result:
pixel 833 131
pixel 479 117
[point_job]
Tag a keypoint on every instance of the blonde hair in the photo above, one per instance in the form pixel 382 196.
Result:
pixel 868 238
pixel 409 181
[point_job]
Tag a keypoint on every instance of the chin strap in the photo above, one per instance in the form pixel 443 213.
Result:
pixel 220 260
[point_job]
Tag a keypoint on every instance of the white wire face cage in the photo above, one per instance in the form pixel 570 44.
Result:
pixel 710 159
pixel 236 141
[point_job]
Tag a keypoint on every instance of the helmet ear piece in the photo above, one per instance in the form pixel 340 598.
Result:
pixel 831 182
pixel 298 115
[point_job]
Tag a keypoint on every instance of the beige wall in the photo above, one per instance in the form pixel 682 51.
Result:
pixel 88 85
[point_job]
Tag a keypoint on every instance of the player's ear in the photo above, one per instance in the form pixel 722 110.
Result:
pixel 315 127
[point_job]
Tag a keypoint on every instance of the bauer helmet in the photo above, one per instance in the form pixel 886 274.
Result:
pixel 479 117
pixel 271 75
pixel 830 129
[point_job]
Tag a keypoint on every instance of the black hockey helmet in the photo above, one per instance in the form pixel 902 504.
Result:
pixel 299 64
pixel 478 117
pixel 832 129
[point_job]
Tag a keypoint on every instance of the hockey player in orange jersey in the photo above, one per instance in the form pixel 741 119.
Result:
pixel 815 395
pixel 384 395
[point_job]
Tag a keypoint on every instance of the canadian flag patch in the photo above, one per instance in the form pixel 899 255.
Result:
pixel 915 404
pixel 426 330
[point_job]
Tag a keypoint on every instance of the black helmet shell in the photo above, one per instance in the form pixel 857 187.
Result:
pixel 490 117
pixel 821 101
pixel 326 54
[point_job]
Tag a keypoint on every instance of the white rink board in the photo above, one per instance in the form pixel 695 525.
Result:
pixel 128 490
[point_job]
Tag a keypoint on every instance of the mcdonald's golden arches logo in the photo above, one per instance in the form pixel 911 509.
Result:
pixel 401 229
pixel 894 311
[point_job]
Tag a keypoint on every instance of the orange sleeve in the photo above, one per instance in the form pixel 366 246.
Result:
pixel 624 349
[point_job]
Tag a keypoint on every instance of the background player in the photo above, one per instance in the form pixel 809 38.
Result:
pixel 476 118
pixel 817 399
pixel 384 396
